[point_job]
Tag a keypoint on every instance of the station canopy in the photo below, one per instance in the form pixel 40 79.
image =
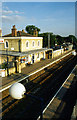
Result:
pixel 20 54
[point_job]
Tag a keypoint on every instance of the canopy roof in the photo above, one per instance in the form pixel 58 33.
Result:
pixel 13 53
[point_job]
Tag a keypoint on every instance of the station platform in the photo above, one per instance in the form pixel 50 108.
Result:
pixel 74 113
pixel 28 70
pixel 65 101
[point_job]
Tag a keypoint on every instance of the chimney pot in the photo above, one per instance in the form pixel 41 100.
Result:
pixel 35 33
pixel 23 30
pixel 14 31
pixel 0 32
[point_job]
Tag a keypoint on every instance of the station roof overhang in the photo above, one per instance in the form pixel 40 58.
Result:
pixel 20 54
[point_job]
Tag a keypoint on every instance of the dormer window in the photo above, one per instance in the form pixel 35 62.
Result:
pixel 6 44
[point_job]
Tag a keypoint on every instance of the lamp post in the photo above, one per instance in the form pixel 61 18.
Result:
pixel 7 62
pixel 17 91
pixel 48 40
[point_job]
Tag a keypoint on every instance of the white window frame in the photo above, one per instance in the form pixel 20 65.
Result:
pixel 28 44
pixel 5 44
pixel 32 43
pixel 38 42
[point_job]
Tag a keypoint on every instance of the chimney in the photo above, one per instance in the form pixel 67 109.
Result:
pixel 35 33
pixel 0 32
pixel 23 30
pixel 14 31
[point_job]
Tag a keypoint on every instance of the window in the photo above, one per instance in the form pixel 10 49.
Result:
pixel 33 43
pixel 6 44
pixel 38 43
pixel 38 55
pixel 27 44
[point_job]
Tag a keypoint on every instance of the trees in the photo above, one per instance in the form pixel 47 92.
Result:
pixel 53 39
pixel 4 65
pixel 57 39
pixel 60 39
pixel 73 40
pixel 45 39
pixel 30 29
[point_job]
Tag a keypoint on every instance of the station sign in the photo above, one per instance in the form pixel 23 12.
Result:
pixel 1 40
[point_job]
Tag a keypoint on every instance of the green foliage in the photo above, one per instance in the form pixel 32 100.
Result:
pixel 45 37
pixel 57 39
pixel 53 39
pixel 4 65
pixel 60 39
pixel 30 29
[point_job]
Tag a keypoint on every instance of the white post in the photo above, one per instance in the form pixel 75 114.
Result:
pixel 44 54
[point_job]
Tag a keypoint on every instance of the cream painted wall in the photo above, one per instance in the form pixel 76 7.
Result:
pixel 13 44
pixel 58 52
pixel 30 47
pixel 1 46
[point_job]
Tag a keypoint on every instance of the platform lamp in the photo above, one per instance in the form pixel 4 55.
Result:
pixel 18 91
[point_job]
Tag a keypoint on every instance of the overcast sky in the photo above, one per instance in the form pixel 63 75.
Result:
pixel 56 17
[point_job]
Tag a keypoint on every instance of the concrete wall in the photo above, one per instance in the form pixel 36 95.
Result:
pixel 56 53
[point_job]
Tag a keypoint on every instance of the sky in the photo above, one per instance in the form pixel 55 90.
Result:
pixel 55 17
pixel 38 0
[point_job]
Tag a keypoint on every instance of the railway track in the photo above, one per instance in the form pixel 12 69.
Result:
pixel 38 87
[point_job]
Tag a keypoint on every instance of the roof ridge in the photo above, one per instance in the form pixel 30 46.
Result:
pixel 21 33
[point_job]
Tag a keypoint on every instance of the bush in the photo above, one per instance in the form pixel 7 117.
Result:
pixel 4 65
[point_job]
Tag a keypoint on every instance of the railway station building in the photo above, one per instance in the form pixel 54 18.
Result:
pixel 19 48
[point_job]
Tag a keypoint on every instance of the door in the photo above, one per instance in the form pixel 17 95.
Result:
pixel 15 65
pixel 33 58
